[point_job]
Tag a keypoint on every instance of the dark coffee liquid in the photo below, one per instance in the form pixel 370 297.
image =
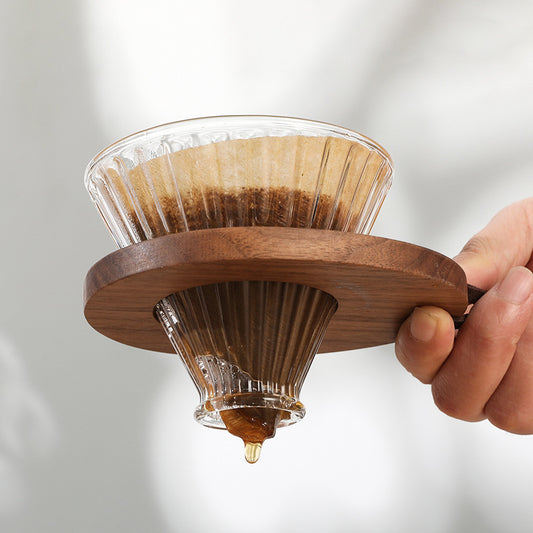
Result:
pixel 253 425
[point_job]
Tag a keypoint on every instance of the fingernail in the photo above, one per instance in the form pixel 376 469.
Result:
pixel 517 286
pixel 423 325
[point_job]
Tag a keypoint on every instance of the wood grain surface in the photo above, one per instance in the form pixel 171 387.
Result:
pixel 376 281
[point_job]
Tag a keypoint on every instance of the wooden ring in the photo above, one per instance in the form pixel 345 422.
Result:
pixel 376 281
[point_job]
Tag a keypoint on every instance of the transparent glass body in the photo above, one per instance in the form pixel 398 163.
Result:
pixel 247 345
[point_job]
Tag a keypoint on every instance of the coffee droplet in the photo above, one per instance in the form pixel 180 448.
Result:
pixel 253 425
pixel 252 451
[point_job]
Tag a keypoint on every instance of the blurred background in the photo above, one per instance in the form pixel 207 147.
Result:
pixel 96 436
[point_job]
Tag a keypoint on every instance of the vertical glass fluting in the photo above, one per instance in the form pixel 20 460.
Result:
pixel 247 345
pixel 153 185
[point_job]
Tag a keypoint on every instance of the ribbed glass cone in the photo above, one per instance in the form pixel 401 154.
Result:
pixel 246 345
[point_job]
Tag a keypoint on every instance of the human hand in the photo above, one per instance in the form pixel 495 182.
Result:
pixel 485 371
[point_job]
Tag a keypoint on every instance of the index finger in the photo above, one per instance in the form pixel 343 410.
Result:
pixel 507 241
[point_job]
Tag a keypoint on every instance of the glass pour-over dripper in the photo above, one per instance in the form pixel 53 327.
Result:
pixel 247 345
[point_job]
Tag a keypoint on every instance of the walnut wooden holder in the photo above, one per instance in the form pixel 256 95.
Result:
pixel 377 281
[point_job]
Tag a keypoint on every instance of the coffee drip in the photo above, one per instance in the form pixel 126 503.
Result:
pixel 253 426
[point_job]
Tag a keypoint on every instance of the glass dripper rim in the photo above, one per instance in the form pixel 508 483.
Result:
pixel 194 126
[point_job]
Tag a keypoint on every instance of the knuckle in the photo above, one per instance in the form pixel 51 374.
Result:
pixel 445 400
pixel 477 245
pixel 452 405
pixel 499 325
pixel 499 330
pixel 525 207
pixel 510 417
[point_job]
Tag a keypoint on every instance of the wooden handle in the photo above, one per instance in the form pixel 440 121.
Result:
pixel 474 294
pixel 376 281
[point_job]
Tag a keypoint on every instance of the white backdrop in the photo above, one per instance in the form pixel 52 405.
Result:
pixel 95 436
